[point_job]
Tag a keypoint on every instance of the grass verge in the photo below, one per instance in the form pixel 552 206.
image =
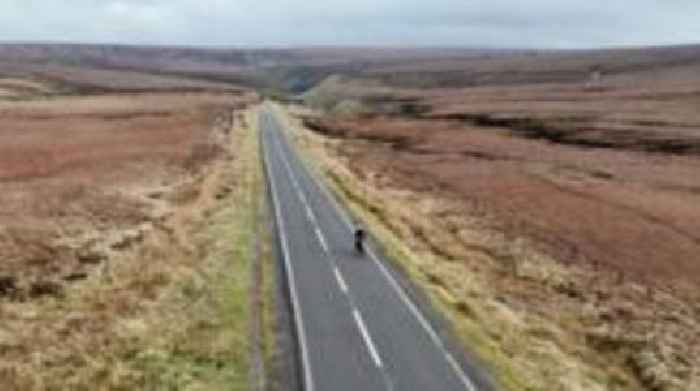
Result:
pixel 208 345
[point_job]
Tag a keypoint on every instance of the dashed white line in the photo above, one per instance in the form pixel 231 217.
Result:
pixel 402 294
pixel 424 323
pixel 368 339
pixel 298 319
pixel 295 183
pixel 288 167
pixel 392 281
pixel 322 240
pixel 298 189
pixel 303 199
pixel 310 214
pixel 341 280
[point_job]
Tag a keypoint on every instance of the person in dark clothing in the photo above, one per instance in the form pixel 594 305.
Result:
pixel 359 240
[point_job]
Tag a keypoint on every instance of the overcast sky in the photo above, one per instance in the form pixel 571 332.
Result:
pixel 473 23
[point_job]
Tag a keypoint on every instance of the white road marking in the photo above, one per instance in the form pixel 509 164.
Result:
pixel 341 280
pixel 368 339
pixel 303 199
pixel 322 240
pixel 296 185
pixel 298 319
pixel 402 294
pixel 287 166
pixel 392 281
pixel 310 214
pixel 424 323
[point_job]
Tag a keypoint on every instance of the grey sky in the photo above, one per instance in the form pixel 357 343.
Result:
pixel 478 23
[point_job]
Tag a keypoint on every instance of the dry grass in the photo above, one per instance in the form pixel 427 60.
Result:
pixel 97 80
pixel 581 205
pixel 111 278
pixel 540 323
pixel 16 88
pixel 80 176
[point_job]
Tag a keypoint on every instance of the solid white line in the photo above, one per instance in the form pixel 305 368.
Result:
pixel 341 280
pixel 402 294
pixel 298 319
pixel 368 340
pixel 424 323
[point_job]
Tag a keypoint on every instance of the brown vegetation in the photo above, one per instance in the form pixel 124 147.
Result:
pixel 78 170
pixel 631 212
pixel 573 206
pixel 105 261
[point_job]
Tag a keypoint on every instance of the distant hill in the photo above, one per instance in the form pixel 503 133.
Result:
pixel 299 69
pixel 291 69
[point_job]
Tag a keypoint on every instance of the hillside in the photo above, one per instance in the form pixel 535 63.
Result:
pixel 291 69
pixel 299 69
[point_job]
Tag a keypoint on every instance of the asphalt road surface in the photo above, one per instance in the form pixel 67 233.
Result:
pixel 356 327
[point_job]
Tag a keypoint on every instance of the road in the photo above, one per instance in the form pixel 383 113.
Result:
pixel 356 327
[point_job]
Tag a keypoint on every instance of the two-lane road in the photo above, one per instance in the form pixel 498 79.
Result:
pixel 356 327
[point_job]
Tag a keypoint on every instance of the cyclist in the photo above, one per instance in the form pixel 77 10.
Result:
pixel 359 240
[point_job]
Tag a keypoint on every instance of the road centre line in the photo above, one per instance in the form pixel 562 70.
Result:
pixel 399 290
pixel 368 339
pixel 341 280
pixel 322 240
pixel 310 213
pixel 296 308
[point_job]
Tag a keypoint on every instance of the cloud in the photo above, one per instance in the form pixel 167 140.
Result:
pixel 480 23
